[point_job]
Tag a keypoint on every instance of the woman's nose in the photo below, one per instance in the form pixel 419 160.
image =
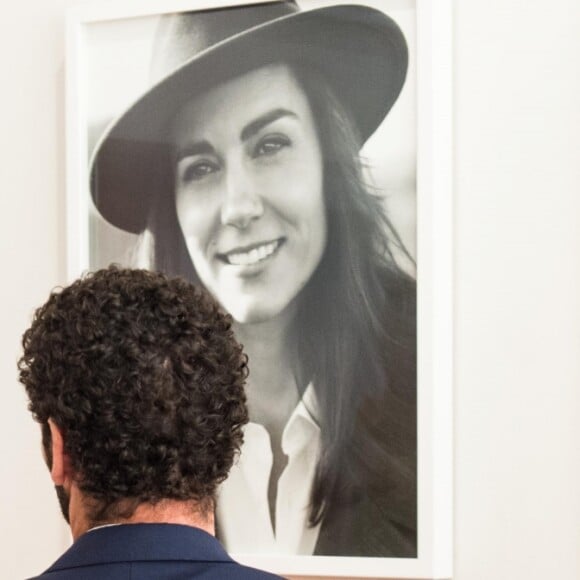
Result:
pixel 242 204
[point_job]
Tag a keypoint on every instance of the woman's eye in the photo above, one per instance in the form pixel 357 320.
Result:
pixel 271 145
pixel 198 170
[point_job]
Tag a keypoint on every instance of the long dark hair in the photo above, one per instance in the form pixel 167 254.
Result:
pixel 355 324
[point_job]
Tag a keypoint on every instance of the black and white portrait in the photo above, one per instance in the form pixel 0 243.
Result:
pixel 267 152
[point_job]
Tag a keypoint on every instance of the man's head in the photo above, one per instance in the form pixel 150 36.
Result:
pixel 138 384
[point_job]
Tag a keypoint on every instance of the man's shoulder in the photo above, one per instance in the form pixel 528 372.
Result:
pixel 149 552
pixel 160 571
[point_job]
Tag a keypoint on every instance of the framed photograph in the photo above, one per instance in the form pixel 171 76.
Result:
pixel 296 160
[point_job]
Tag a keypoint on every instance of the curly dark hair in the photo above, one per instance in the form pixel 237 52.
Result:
pixel 143 375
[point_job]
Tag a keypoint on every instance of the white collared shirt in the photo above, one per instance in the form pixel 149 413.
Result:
pixel 242 508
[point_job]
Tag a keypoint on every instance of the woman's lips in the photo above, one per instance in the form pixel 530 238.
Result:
pixel 251 254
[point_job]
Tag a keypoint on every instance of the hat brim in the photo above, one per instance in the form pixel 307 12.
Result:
pixel 360 51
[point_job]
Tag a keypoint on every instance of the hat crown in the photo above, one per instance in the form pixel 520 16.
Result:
pixel 182 36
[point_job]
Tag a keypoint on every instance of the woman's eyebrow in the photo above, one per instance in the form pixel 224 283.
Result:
pixel 254 126
pixel 192 149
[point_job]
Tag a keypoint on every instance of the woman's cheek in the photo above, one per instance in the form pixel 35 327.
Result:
pixel 282 177
pixel 195 211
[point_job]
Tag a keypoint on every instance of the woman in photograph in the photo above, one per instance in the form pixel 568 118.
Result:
pixel 241 166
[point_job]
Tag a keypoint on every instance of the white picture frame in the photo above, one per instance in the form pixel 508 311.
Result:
pixel 431 65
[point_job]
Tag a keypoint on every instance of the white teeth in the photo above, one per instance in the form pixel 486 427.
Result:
pixel 253 256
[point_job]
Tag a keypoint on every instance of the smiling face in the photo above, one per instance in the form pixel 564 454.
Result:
pixel 249 191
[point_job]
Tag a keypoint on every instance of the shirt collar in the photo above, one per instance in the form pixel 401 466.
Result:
pixel 302 424
pixel 243 514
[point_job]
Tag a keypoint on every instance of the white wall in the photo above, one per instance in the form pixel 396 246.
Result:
pixel 32 255
pixel 517 288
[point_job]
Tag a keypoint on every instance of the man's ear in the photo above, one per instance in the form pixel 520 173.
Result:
pixel 60 470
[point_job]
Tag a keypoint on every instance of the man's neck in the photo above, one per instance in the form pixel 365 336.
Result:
pixel 187 513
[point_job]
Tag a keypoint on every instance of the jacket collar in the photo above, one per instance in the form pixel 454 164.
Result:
pixel 141 542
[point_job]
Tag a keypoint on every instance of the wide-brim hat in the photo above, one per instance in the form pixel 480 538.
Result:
pixel 359 51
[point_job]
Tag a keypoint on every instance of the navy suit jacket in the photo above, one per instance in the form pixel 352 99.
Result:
pixel 149 552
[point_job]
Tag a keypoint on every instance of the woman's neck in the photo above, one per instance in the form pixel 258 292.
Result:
pixel 272 376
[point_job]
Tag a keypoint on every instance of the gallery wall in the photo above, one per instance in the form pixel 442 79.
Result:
pixel 517 282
